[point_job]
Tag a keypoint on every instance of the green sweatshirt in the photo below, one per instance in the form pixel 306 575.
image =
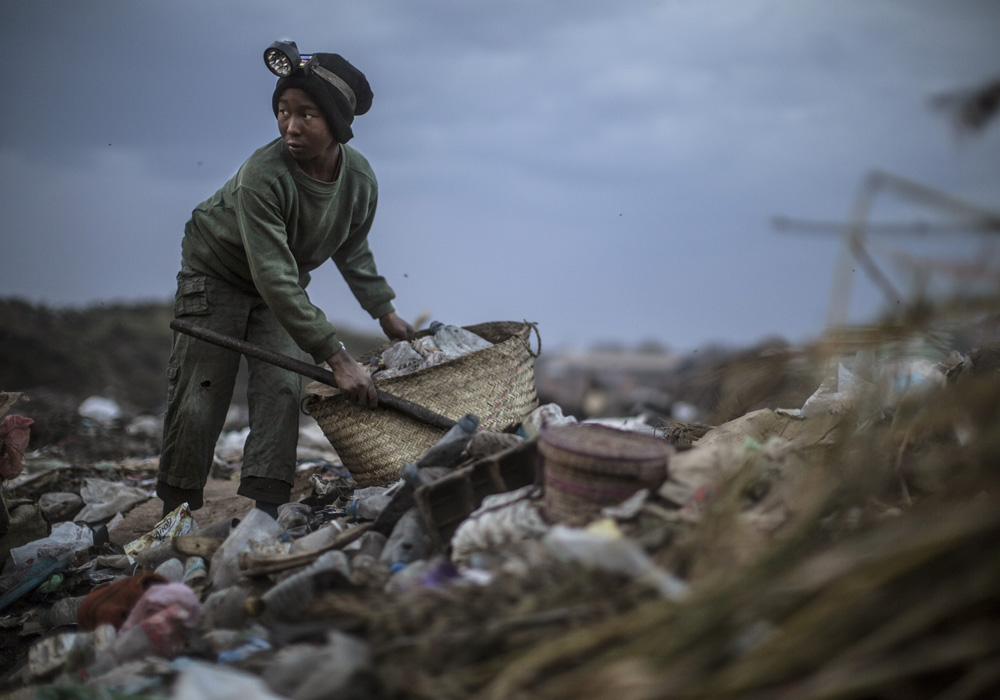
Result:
pixel 267 228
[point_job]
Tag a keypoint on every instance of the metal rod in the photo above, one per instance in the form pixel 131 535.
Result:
pixel 408 408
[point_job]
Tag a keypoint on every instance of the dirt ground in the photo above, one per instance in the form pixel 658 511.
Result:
pixel 221 503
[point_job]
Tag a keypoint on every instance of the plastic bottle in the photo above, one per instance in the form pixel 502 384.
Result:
pixel 172 570
pixel 225 609
pixel 367 507
pixel 400 502
pixel 318 540
pixel 446 451
pixel 408 542
pixel 368 572
pixel 371 543
pixel 290 598
pixel 251 647
pixel 63 612
pixel 195 571
pixel 67 651
pixel 415 477
pixel 439 458
pixel 128 646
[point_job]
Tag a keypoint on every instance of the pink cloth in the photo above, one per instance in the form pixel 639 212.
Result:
pixel 168 629
pixel 160 597
pixel 14 436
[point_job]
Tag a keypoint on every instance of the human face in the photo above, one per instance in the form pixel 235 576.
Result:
pixel 304 130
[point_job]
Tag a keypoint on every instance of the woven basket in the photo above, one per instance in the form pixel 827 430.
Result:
pixel 497 384
pixel 589 467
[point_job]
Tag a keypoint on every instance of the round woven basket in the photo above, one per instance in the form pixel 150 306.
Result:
pixel 497 384
pixel 589 467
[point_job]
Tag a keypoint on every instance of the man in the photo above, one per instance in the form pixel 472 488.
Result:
pixel 246 257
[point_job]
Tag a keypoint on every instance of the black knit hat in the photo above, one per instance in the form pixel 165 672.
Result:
pixel 340 90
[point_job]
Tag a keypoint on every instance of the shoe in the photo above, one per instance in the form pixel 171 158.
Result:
pixel 173 496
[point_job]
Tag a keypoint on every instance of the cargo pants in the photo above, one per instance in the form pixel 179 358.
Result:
pixel 201 377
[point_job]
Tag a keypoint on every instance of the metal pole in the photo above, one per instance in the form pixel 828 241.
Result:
pixel 413 410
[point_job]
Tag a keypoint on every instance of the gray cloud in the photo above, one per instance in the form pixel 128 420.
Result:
pixel 607 172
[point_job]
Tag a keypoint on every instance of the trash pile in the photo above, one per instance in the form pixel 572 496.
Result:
pixel 841 548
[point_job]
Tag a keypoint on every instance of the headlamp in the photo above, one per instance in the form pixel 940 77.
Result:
pixel 282 58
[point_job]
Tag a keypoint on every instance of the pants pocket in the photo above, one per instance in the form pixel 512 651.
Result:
pixel 191 299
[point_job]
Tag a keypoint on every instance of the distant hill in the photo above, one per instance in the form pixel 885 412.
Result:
pixel 60 356
pixel 116 350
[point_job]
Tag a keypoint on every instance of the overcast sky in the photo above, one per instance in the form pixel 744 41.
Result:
pixel 607 169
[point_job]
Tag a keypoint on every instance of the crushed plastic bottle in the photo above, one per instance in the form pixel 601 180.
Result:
pixel 368 571
pixel 367 507
pixel 62 612
pixel 446 451
pixel 250 648
pixel 68 651
pixel 403 495
pixel 416 477
pixel 409 542
pixel 172 570
pixel 224 609
pixel 371 543
pixel 319 540
pixel 438 460
pixel 290 598
pixel 195 571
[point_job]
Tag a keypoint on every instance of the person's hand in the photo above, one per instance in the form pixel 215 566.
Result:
pixel 395 328
pixel 353 380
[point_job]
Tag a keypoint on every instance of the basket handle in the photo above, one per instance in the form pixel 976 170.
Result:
pixel 526 338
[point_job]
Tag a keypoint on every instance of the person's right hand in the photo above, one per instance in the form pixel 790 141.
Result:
pixel 353 380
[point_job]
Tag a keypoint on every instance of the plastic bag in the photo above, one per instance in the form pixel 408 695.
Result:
pixel 603 547
pixel 447 343
pixel 203 681
pixel 501 520
pixel 105 499
pixel 64 538
pixel 256 530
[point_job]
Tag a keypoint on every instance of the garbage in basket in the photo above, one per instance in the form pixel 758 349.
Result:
pixel 496 383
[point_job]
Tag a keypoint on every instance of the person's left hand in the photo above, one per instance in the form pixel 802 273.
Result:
pixel 395 327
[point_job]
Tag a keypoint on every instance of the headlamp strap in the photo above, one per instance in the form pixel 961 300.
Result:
pixel 337 82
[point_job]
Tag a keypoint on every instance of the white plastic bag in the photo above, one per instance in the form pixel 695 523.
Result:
pixel 256 531
pixel 203 681
pixel 613 553
pixel 65 537
pixel 104 499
